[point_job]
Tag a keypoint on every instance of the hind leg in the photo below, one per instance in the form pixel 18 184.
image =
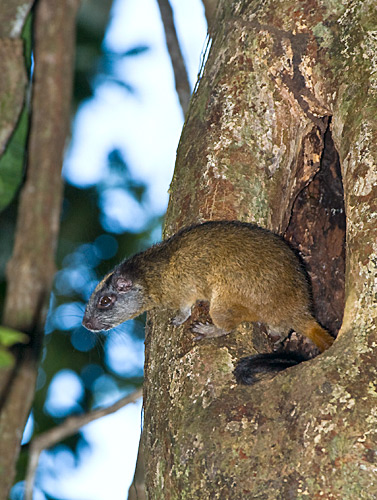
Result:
pixel 225 319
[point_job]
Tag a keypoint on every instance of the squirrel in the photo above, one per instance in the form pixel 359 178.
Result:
pixel 247 273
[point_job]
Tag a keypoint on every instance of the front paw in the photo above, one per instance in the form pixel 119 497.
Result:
pixel 176 321
pixel 183 314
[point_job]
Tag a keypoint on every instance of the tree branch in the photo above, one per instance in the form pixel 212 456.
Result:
pixel 182 84
pixel 210 7
pixel 69 427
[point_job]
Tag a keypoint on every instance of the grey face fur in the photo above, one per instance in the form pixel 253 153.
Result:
pixel 115 300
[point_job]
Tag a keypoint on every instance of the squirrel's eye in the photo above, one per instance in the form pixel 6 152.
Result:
pixel 105 301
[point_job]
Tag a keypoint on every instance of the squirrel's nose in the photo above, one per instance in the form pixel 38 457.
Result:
pixel 88 323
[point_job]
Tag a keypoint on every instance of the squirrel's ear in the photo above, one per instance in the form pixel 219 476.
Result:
pixel 123 284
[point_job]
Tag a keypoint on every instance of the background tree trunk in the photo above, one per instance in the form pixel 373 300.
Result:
pixel 31 268
pixel 137 489
pixel 283 118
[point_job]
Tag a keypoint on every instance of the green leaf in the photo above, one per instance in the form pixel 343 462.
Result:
pixel 6 358
pixel 12 161
pixel 9 337
pixel 27 36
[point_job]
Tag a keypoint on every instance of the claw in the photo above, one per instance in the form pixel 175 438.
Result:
pixel 175 321
pixel 208 330
pixel 198 338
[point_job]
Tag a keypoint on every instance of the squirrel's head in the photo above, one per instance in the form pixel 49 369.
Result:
pixel 116 298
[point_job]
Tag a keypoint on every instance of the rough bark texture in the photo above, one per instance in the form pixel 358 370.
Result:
pixel 283 80
pixel 12 68
pixel 31 268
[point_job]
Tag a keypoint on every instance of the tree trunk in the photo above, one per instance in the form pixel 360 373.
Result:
pixel 284 117
pixel 13 75
pixel 31 269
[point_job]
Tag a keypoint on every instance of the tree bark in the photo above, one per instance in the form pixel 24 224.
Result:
pixel 12 67
pixel 283 80
pixel 31 269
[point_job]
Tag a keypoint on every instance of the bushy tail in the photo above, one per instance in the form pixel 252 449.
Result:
pixel 252 369
pixel 321 337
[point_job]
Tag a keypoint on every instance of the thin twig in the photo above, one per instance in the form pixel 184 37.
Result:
pixel 182 84
pixel 210 7
pixel 69 427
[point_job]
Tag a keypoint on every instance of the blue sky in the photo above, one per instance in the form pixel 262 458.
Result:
pixel 147 124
